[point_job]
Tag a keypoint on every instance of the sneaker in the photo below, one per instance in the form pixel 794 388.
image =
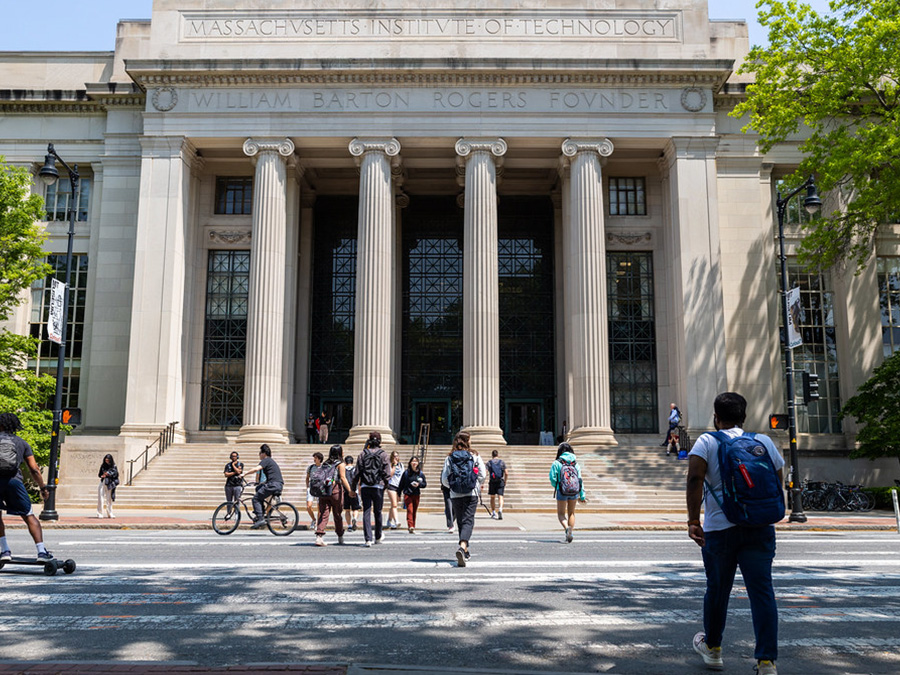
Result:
pixel 766 668
pixel 353 526
pixel 320 541
pixel 5 556
pixel 712 656
pixel 258 524
pixel 44 555
pixel 379 540
pixel 569 536
pixel 450 530
pixel 312 524
pixel 461 557
pixel 393 525
pixel 368 544
pixel 412 530
pixel 499 515
pixel 493 515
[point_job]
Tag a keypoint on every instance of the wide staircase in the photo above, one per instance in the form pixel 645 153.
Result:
pixel 635 476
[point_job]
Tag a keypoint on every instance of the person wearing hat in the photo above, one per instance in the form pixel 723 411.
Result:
pixel 371 478
pixel 312 433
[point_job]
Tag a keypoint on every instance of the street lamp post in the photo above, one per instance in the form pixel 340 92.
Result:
pixel 50 175
pixel 812 204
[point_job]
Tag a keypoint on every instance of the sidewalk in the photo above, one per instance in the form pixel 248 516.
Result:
pixel 197 519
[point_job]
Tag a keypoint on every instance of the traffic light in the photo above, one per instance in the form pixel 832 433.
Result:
pixel 71 416
pixel 810 387
pixel 778 421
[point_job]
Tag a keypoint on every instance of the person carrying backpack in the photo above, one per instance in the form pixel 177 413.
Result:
pixel 738 478
pixel 352 507
pixel 496 469
pixel 329 483
pixel 371 477
pixel 463 474
pixel 568 487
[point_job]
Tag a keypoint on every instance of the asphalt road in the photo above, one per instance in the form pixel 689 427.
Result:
pixel 610 602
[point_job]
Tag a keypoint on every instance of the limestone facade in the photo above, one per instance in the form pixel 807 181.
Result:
pixel 380 104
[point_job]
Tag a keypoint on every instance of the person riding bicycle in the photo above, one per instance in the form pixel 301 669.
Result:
pixel 273 484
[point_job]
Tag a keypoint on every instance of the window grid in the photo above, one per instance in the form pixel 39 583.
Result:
pixel 888 270
pixel 234 195
pixel 58 197
pixel 225 339
pixel 632 342
pixel 817 354
pixel 627 197
pixel 48 352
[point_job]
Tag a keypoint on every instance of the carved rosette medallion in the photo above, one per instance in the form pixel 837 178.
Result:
pixel 164 98
pixel 693 99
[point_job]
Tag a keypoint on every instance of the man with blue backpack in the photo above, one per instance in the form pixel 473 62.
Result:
pixel 738 477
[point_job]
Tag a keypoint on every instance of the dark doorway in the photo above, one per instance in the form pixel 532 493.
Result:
pixel 437 414
pixel 524 422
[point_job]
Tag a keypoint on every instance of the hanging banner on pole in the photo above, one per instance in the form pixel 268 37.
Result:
pixel 794 339
pixel 57 315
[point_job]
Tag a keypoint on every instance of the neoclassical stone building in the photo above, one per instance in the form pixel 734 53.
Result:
pixel 510 217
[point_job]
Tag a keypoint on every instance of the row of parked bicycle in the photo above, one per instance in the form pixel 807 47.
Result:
pixel 820 496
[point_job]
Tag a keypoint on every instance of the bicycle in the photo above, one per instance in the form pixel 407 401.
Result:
pixel 281 517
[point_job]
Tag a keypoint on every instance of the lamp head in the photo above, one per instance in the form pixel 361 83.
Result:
pixel 812 203
pixel 48 172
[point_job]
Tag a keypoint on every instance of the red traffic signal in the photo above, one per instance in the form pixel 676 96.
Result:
pixel 71 416
pixel 778 421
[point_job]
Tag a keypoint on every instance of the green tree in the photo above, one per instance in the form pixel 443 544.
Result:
pixel 833 81
pixel 21 264
pixel 876 407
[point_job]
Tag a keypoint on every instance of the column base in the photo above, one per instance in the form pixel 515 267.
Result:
pixel 485 437
pixel 358 436
pixel 591 438
pixel 259 433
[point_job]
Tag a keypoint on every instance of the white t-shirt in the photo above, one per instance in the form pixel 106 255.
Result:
pixel 707 448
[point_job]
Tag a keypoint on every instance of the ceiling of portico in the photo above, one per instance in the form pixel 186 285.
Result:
pixel 530 165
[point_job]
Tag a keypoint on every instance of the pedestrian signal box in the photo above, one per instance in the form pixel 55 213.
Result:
pixel 810 387
pixel 71 417
pixel 777 421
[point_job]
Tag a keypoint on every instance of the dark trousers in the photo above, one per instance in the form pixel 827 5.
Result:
pixel 233 495
pixel 262 493
pixel 312 436
pixel 412 508
pixel 753 549
pixel 464 509
pixel 372 499
pixel 326 505
pixel 448 507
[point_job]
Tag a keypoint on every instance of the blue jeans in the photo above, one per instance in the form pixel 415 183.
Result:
pixel 753 549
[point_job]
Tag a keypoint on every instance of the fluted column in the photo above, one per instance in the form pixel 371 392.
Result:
pixel 481 304
pixel 264 414
pixel 374 269
pixel 585 294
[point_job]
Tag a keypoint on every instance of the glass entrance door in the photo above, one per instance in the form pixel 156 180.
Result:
pixel 437 414
pixel 524 421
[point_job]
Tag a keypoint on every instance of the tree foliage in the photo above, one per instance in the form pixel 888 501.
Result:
pixel 876 407
pixel 833 81
pixel 21 264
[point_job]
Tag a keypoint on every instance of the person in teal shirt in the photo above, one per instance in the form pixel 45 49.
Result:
pixel 568 487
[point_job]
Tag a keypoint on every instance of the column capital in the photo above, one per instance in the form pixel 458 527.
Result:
pixel 283 146
pixel 466 146
pixel 572 146
pixel 359 146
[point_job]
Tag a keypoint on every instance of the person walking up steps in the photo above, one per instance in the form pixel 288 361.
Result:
pixel 329 483
pixel 463 473
pixel 371 478
pixel 411 483
pixel 496 469
pixel 741 476
pixel 568 486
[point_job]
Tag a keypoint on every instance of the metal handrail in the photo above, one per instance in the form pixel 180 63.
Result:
pixel 422 443
pixel 162 442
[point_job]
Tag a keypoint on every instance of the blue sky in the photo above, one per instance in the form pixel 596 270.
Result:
pixel 90 25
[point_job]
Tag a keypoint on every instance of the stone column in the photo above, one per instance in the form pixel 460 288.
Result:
pixel 584 248
pixel 264 415
pixel 374 283
pixel 481 304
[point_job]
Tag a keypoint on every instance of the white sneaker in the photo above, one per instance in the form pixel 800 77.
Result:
pixel 493 515
pixel 766 668
pixel 712 656
pixel 320 542
pixel 380 540
pixel 569 536
pixel 100 515
pixel 368 544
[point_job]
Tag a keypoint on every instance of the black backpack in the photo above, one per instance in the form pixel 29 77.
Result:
pixel 461 474
pixel 370 464
pixel 321 482
pixel 9 457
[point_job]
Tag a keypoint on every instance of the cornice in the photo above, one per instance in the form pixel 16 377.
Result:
pixel 97 98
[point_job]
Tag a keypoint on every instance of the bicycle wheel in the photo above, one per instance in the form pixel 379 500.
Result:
pixel 282 519
pixel 222 522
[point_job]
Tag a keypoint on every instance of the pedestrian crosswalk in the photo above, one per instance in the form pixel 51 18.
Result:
pixel 610 602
